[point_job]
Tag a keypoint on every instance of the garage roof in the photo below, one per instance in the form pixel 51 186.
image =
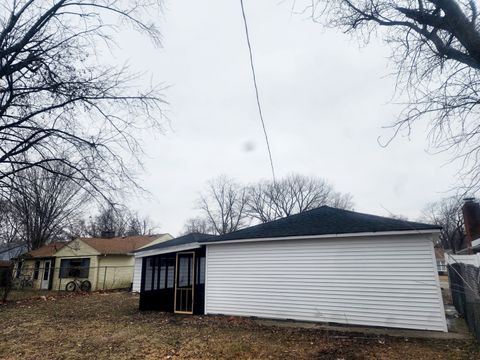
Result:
pixel 324 220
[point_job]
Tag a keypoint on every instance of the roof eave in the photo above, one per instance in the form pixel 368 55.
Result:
pixel 329 236
pixel 167 250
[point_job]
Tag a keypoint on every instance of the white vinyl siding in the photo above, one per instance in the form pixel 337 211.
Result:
pixel 387 281
pixel 137 274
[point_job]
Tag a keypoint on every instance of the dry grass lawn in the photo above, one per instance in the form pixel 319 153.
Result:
pixel 109 326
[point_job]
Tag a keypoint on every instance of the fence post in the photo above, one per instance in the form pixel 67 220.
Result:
pixel 104 277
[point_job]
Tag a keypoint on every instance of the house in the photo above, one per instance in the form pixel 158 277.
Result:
pixel 324 265
pixel 38 265
pixel 8 252
pixel 471 219
pixel 106 263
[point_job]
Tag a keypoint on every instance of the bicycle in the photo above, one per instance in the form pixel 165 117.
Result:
pixel 24 281
pixel 82 285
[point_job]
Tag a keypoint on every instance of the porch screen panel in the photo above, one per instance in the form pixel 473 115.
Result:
pixel 148 274
pixel 162 270
pixel 170 273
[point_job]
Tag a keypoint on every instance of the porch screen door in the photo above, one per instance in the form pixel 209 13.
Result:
pixel 184 283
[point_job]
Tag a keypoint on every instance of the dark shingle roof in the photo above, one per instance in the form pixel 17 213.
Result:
pixel 181 240
pixel 324 220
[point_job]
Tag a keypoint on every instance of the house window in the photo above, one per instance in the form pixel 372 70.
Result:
pixel 74 268
pixel 19 269
pixel 36 270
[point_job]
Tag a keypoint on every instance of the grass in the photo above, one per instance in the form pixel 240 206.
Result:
pixel 24 294
pixel 103 326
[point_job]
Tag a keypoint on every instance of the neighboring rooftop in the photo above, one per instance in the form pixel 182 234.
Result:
pixel 120 245
pixel 181 240
pixel 324 220
pixel 46 250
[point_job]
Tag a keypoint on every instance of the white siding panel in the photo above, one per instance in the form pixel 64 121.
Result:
pixel 137 274
pixel 464 259
pixel 381 281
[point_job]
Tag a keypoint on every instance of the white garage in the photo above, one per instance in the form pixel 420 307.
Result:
pixel 385 280
pixel 325 265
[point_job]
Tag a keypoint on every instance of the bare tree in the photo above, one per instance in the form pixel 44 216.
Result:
pixel 42 202
pixel 448 214
pixel 60 101
pixel 261 202
pixel 293 194
pixel 138 225
pixel 227 206
pixel 398 216
pixel 9 226
pixel 341 201
pixel 116 221
pixel 436 50
pixel 223 205
pixel 197 225
pixel 75 227
pixel 111 221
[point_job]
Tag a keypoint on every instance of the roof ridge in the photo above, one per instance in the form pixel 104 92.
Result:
pixel 285 217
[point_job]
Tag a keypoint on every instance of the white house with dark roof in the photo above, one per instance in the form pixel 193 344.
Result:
pixel 324 265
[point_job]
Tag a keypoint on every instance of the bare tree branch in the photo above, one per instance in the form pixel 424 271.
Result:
pixel 268 201
pixel 41 203
pixel 223 205
pixel 59 96
pixel 448 214
pixel 436 50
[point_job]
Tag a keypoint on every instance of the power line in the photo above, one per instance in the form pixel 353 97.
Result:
pixel 252 66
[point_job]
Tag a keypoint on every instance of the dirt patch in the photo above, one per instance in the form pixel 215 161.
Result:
pixel 26 294
pixel 109 325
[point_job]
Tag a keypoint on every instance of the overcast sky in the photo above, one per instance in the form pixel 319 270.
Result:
pixel 325 101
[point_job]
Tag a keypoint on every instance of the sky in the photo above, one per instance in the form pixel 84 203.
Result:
pixel 326 101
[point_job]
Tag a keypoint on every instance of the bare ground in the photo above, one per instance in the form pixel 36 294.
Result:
pixel 109 325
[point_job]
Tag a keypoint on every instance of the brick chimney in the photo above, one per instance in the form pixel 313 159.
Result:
pixel 471 218
pixel 107 234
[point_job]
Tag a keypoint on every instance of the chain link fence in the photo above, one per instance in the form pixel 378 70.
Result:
pixel 465 289
pixel 6 280
pixel 71 278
